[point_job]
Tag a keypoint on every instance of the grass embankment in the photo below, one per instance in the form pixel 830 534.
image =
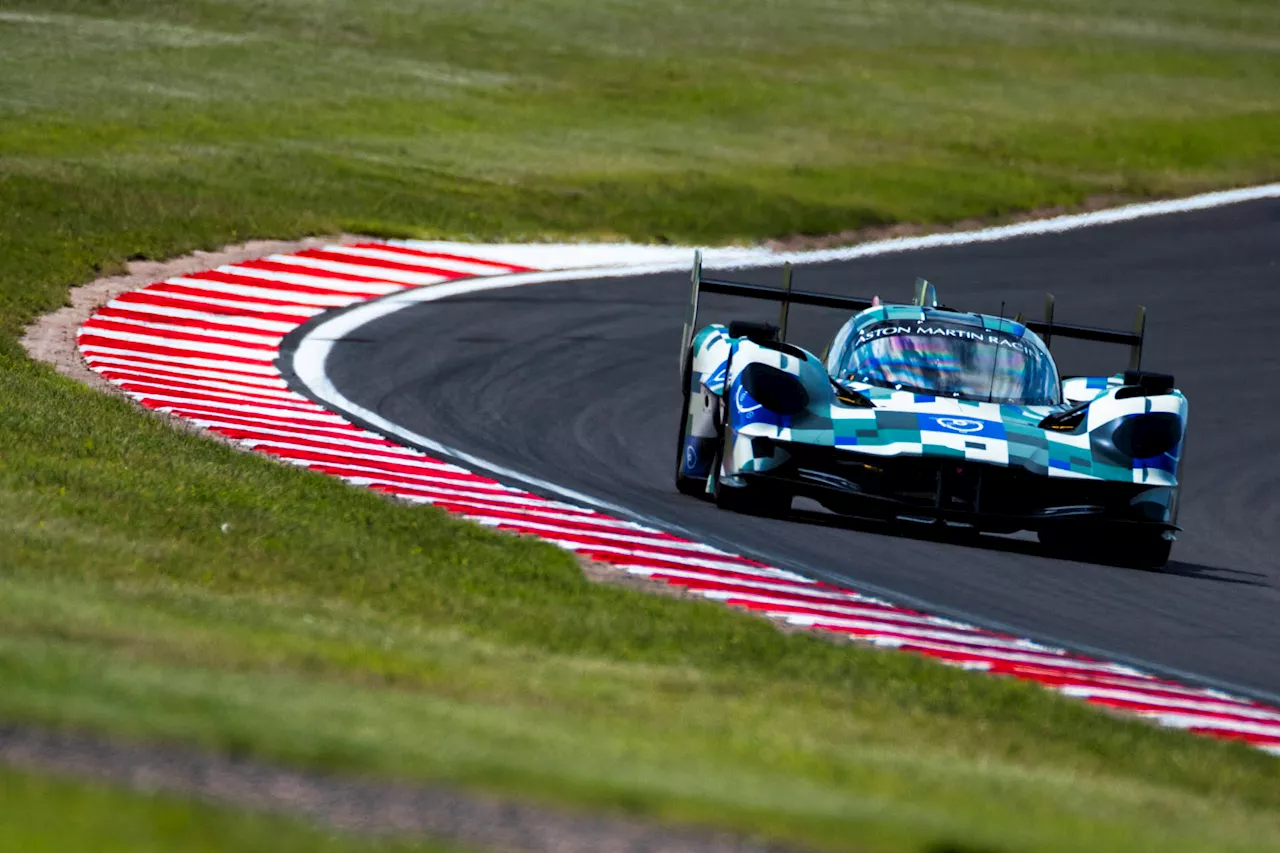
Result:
pixel 332 628
pixel 45 816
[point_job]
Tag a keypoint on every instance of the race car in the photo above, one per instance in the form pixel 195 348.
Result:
pixel 922 413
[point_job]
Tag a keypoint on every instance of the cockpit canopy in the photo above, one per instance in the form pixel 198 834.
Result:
pixel 951 357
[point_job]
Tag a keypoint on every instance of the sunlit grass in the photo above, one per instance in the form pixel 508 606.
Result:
pixel 331 628
pixel 38 813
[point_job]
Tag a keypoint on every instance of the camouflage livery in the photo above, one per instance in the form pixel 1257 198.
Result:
pixel 852 443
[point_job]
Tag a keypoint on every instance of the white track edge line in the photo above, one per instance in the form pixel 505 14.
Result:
pixel 309 359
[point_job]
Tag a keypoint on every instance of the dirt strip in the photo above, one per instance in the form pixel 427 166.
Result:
pixel 353 804
pixel 52 338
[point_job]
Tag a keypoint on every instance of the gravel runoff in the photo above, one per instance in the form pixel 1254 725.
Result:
pixel 353 804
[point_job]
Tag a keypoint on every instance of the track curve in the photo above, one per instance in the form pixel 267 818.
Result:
pixel 575 382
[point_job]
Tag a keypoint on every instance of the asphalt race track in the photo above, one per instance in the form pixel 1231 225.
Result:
pixel 576 383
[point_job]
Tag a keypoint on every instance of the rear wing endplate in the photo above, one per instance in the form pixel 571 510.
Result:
pixel 1047 329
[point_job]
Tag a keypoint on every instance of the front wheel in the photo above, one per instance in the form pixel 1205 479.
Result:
pixel 750 499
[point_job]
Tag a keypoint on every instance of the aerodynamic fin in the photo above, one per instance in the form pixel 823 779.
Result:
pixel 1048 318
pixel 926 294
pixel 1139 329
pixel 691 314
pixel 786 301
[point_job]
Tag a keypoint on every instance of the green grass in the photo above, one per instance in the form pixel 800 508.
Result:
pixel 43 815
pixel 839 750
pixel 331 628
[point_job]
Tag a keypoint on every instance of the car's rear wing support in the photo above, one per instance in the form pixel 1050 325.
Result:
pixel 1047 329
pixel 1139 329
pixel 785 295
pixel 925 295
pixel 1134 340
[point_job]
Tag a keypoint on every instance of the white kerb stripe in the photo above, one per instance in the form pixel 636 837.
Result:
pixel 246 322
pixel 91 350
pixel 159 327
pixel 355 268
pixel 336 300
pixel 262 383
pixel 310 279
pixel 468 268
pixel 194 347
pixel 210 302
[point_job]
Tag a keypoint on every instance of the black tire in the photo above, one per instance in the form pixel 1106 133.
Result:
pixel 692 486
pixel 1061 542
pixel 751 499
pixel 1118 545
pixel 1146 551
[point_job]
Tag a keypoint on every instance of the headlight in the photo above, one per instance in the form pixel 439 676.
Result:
pixel 1145 436
pixel 776 390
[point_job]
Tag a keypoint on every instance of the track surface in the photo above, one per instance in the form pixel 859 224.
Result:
pixel 577 383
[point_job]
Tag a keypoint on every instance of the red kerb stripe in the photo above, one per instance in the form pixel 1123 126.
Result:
pixel 304 269
pixel 797 592
pixel 250 420
pixel 193 322
pixel 150 296
pixel 378 263
pixel 444 256
pixel 276 284
pixel 201 293
pixel 87 339
pixel 203 392
pixel 171 335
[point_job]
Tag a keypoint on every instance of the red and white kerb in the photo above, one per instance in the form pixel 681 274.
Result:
pixel 203 347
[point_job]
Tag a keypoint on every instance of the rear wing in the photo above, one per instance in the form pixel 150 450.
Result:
pixel 926 296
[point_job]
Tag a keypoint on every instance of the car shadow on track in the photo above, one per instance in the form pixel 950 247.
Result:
pixel 1009 544
pixel 1213 573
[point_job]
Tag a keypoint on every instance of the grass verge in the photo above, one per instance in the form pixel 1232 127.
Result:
pixel 39 813
pixel 332 628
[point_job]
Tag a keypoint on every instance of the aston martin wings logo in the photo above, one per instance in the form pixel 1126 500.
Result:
pixel 963 425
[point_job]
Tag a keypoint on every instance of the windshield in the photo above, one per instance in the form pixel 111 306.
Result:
pixel 951 360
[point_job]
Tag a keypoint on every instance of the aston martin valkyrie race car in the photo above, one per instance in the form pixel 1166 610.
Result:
pixel 923 413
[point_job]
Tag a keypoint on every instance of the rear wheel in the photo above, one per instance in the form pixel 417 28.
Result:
pixel 1151 553
pixel 1116 544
